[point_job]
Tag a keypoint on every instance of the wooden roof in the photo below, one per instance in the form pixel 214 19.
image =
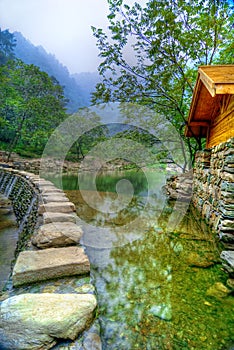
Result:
pixel 212 83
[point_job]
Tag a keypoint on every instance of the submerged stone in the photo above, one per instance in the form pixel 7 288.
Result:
pixel 218 290
pixel 37 321
pixel 230 283
pixel 162 311
pixel 196 260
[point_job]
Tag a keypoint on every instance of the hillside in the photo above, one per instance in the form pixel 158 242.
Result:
pixel 77 88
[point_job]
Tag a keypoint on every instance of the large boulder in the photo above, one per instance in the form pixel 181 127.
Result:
pixel 57 235
pixel 41 265
pixel 37 321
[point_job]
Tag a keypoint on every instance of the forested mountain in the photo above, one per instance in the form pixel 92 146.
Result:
pixel 32 104
pixel 77 88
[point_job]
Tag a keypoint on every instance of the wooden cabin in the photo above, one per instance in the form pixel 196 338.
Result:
pixel 212 109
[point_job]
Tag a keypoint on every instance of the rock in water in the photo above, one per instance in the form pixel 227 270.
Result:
pixel 35 266
pixel 162 311
pixel 57 235
pixel 37 321
pixel 218 290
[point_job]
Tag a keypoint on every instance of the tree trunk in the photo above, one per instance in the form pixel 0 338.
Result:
pixel 16 138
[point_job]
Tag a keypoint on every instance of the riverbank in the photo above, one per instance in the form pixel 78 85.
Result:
pixel 51 165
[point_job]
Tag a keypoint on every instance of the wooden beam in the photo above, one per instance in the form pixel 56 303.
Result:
pixel 199 123
pixel 225 89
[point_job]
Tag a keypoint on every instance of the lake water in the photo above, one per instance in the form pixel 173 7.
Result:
pixel 155 265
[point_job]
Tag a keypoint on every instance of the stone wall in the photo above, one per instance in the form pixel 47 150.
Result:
pixel 25 200
pixel 213 188
pixel 49 297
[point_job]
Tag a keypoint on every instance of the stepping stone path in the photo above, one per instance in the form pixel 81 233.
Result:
pixel 37 321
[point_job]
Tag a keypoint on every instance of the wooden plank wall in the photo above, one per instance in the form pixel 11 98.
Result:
pixel 222 127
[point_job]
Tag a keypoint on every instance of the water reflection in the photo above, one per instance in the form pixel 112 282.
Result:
pixel 112 219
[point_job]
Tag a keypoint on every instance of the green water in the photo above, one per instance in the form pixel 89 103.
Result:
pixel 159 279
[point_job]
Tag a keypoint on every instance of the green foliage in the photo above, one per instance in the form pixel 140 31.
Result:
pixel 31 106
pixel 151 54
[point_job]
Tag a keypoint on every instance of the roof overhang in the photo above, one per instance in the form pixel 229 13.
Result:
pixel 212 83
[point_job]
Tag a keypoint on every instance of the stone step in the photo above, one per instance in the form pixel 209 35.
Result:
pixel 66 207
pixel 38 321
pixel 49 217
pixel 50 189
pixel 41 265
pixel 57 235
pixel 55 197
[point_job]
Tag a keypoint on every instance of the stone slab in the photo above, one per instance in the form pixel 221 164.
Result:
pixel 41 265
pixel 38 321
pixel 49 217
pixel 57 235
pixel 55 197
pixel 42 183
pixel 54 207
pixel 50 190
pixel 228 256
pixel 226 237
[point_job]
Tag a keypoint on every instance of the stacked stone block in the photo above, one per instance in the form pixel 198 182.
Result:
pixel 213 188
pixel 25 201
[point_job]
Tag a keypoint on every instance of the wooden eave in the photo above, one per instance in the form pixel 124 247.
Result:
pixel 212 83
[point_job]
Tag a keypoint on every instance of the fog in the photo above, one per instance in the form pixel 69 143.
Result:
pixel 62 27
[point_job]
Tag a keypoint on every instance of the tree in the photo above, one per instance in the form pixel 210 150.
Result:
pixel 31 105
pixel 151 54
pixel 79 133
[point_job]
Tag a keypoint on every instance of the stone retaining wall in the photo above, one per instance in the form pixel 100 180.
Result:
pixel 213 195
pixel 213 188
pixel 51 266
pixel 25 201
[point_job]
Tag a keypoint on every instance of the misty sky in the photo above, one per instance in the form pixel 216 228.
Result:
pixel 62 27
